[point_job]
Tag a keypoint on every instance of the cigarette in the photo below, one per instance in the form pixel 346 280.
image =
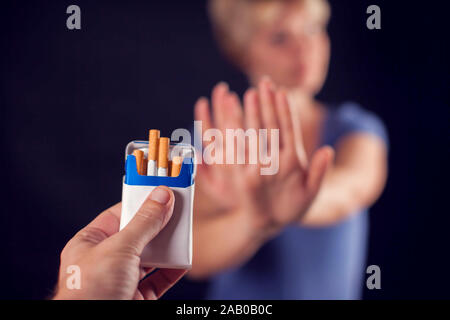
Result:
pixel 163 157
pixel 139 154
pixel 152 168
pixel 170 167
pixel 176 166
pixel 144 166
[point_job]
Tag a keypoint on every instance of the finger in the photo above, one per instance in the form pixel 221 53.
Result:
pixel 285 120
pixel 108 220
pixel 148 270
pixel 252 112
pixel 252 121
pixel 137 296
pixel 202 113
pixel 145 272
pixel 320 162
pixel 268 114
pixel 152 216
pixel 102 227
pixel 233 112
pixel 218 99
pixel 158 283
pixel 235 145
pixel 267 102
pixel 298 139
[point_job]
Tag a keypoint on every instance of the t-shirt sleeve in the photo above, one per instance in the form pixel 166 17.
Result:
pixel 350 118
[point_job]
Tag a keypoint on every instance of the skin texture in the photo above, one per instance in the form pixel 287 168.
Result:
pixel 314 187
pixel 109 260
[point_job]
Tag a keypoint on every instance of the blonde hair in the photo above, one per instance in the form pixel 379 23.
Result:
pixel 234 21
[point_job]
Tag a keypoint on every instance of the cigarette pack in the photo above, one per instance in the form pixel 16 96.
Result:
pixel 172 247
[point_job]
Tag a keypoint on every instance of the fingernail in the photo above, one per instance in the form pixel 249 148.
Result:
pixel 160 195
pixel 203 100
pixel 233 94
pixel 224 84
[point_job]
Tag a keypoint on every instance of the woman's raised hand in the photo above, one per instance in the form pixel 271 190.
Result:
pixel 273 200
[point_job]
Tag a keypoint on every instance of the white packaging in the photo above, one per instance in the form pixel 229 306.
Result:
pixel 172 247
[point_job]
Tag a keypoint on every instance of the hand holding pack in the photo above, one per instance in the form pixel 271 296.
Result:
pixel 149 164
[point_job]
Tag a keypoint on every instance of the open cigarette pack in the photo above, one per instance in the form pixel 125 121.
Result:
pixel 172 247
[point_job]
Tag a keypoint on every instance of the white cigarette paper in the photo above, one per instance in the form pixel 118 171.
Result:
pixel 162 172
pixel 152 169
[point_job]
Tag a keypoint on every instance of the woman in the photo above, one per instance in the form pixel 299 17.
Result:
pixel 302 233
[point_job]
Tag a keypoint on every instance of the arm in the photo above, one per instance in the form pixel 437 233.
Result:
pixel 355 181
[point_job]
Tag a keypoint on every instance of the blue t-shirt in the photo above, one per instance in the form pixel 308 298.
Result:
pixel 303 262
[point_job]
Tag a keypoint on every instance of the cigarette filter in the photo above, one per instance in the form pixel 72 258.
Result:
pixel 139 154
pixel 176 166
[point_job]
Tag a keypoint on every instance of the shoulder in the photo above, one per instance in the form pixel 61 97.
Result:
pixel 349 118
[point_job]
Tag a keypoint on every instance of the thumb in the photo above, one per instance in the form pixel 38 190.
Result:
pixel 320 162
pixel 150 219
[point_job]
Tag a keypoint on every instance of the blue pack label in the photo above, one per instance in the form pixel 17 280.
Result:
pixel 184 179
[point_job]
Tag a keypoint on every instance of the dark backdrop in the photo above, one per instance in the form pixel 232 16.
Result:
pixel 71 100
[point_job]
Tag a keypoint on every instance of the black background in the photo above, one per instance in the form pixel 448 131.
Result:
pixel 71 100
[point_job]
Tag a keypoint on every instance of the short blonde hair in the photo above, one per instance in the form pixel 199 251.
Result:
pixel 234 21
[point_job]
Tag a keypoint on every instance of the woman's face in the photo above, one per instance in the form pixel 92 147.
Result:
pixel 294 51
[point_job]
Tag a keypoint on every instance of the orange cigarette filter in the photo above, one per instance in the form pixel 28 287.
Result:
pixel 163 153
pixel 153 144
pixel 144 166
pixel 176 166
pixel 139 154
